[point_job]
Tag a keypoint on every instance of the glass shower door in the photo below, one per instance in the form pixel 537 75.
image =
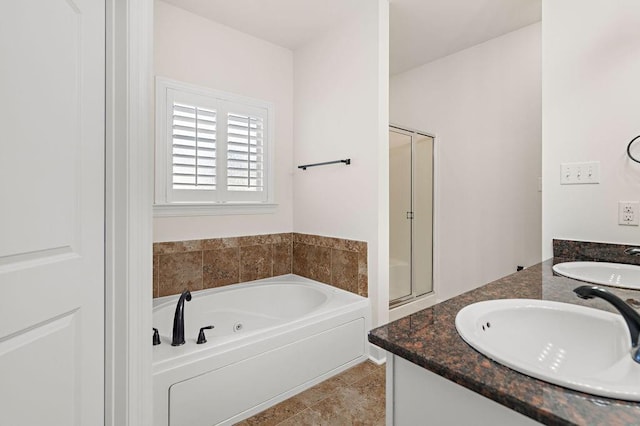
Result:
pixel 400 208
pixel 422 234
pixel 410 215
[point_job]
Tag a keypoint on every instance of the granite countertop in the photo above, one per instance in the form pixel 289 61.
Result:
pixel 429 339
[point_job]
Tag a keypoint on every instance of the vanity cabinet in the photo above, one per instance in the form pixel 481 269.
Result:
pixel 416 396
pixel 435 378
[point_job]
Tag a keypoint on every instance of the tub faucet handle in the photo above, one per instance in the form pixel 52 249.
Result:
pixel 201 337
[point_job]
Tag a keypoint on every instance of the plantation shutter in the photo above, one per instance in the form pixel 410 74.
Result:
pixel 212 147
pixel 245 153
pixel 193 147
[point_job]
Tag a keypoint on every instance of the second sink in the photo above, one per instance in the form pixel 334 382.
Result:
pixel 569 345
pixel 612 274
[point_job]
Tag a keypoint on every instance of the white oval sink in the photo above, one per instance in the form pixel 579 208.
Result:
pixel 572 346
pixel 613 274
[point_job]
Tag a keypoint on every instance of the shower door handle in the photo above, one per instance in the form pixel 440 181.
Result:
pixel 409 215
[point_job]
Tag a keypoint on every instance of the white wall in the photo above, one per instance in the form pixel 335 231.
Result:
pixel 195 50
pixel 341 97
pixel 341 111
pixel 484 106
pixel 591 110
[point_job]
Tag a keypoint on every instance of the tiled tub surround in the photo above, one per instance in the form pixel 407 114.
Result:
pixel 429 339
pixel 202 264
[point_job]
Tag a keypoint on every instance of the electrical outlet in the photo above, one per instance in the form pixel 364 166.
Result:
pixel 628 213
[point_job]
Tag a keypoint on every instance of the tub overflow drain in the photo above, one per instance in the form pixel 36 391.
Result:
pixel 237 327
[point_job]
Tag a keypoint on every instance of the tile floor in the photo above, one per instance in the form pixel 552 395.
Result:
pixel 354 397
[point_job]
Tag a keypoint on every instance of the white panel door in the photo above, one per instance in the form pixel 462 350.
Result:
pixel 52 212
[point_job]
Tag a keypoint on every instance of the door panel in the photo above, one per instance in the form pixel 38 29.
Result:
pixel 52 213
pixel 30 362
pixel 410 216
pixel 40 101
pixel 400 210
pixel 423 218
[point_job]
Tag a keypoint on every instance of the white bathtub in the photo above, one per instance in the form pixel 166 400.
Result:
pixel 272 339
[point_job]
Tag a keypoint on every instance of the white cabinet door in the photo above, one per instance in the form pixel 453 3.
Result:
pixel 52 212
pixel 417 396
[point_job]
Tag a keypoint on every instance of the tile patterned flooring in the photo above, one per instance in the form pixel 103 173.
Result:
pixel 352 398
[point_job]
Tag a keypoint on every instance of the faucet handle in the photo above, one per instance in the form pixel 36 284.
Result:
pixel 201 337
pixel 156 337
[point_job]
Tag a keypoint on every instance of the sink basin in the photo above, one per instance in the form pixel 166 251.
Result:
pixel 572 346
pixel 613 274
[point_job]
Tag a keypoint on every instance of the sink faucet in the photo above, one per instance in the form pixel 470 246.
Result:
pixel 178 320
pixel 631 317
pixel 633 251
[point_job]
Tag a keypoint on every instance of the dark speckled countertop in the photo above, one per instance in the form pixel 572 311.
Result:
pixel 429 339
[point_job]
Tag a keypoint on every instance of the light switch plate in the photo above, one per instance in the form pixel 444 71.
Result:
pixel 580 173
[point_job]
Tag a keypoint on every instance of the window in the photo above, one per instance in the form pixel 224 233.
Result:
pixel 212 150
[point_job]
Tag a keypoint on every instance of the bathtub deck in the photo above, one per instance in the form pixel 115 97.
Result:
pixel 356 396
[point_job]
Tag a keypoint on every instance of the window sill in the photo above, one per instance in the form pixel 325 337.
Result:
pixel 174 210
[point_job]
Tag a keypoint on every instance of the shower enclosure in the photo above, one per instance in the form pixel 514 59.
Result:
pixel 410 215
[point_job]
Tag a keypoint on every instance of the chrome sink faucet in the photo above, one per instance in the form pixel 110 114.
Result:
pixel 178 320
pixel 631 317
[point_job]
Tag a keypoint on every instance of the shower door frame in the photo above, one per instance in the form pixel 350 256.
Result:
pixel 411 297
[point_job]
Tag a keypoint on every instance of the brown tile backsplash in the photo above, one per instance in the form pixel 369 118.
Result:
pixel 177 247
pixel 312 261
pixel 217 262
pixel 156 268
pixel 178 272
pixel 221 267
pixel 219 243
pixel 341 263
pixel 256 262
pixel 282 258
pixel 344 270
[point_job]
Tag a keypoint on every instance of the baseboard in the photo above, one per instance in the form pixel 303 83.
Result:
pixel 377 355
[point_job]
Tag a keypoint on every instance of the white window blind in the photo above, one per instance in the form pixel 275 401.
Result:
pixel 193 147
pixel 245 153
pixel 211 147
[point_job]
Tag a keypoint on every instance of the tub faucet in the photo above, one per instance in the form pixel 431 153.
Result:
pixel 178 320
pixel 631 317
